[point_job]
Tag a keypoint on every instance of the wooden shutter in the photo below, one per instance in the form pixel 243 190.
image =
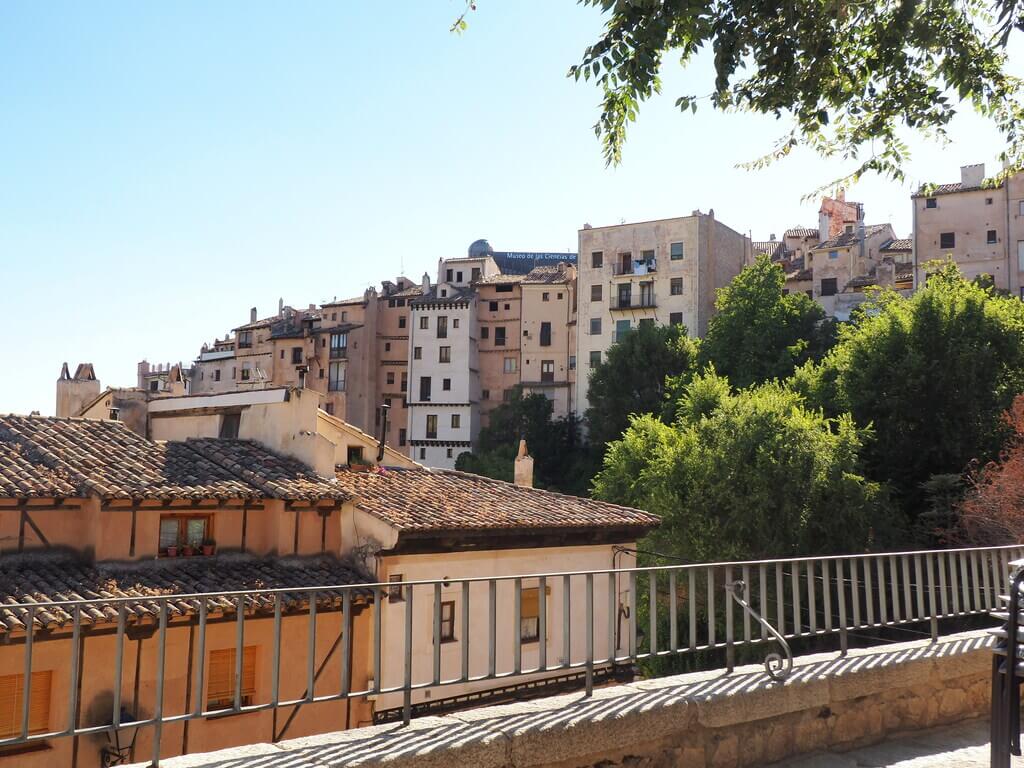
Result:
pixel 220 691
pixel 530 604
pixel 12 689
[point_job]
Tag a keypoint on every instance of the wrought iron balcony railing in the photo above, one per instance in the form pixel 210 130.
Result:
pixel 454 632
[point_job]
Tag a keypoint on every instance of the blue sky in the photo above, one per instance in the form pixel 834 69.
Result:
pixel 165 166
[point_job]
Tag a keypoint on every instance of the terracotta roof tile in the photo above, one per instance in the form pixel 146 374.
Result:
pixel 25 473
pixel 424 501
pixel 276 476
pixel 801 232
pixel 847 239
pixel 902 245
pixel 55 577
pixel 547 276
pixel 106 459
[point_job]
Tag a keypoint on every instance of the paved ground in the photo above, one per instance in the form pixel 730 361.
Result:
pixel 962 746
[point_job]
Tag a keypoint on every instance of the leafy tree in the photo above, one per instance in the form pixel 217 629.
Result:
pixel 759 332
pixel 750 474
pixel 554 444
pixel 992 512
pixel 632 377
pixel 931 374
pixel 850 77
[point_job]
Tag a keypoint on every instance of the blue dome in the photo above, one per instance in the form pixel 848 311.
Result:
pixel 480 248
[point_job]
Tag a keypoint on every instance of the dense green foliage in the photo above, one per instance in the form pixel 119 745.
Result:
pixel 850 78
pixel 745 474
pixel 931 374
pixel 631 379
pixel 561 461
pixel 759 332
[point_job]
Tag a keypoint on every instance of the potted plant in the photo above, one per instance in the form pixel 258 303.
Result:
pixel 188 550
pixel 209 547
pixel 172 550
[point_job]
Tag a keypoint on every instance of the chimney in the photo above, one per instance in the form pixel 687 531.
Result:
pixel 426 282
pixel 280 306
pixel 252 315
pixel 384 410
pixel 972 175
pixel 523 473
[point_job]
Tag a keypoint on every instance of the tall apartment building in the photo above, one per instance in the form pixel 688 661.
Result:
pixel 980 226
pixel 548 339
pixel 394 321
pixel 841 264
pixel 664 271
pixel 444 368
pixel 500 317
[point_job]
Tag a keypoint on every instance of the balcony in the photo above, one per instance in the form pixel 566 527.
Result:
pixel 624 302
pixel 634 267
pixel 339 353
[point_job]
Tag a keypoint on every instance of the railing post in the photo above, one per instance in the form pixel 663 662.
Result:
pixel 730 651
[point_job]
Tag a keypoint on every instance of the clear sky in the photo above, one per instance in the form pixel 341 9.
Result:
pixel 165 166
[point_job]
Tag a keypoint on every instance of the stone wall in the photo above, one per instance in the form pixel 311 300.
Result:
pixel 703 720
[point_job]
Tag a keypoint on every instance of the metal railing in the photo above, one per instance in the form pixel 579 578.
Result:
pixel 420 635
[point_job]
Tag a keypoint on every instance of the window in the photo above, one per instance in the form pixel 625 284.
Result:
pixel 504 288
pixel 499 336
pixel 423 454
pixel 485 332
pixel 401 436
pixel 829 286
pixel 676 286
pixel 492 306
pixel 545 334
pixel 431 426
pixel 447 617
pixel 396 594
pixel 229 424
pixel 417 353
pixel 401 321
pixel 595 293
pixel 424 322
pixel 425 389
pixel 390 377
pixel 245 373
pixel 458 277
pixel 12 692
pixel 344 316
pixel 475 274
pixel 405 381
pixel 355 452
pixel 446 384
pixel 296 355
pixel 220 690
pixel 234 373
pixel 675 251
pixel 485 394
pixel 947 240
pixel 545 296
pixel 182 530
pixel 444 292
pixel 329 407
pixel 529 614
pixel 547 370
pixel 988 201
pixel 455 322
pixel 336 378
pixel 387 346
pixel 216 375
pixel 456 421
pixel 442 326
pixel 595 326
pixel 154 386
pixel 833 254
pixel 282 354
pixel 1020 207
pixel 572 362
pixel 507 395
pixel 931 202
pixel 595 359
pixel 339 345
pixel 448 452
pixel 449 275
pixel 990 236
pixel 245 339
pixel 675 318
pixel 597 259
pixel 510 365
pixel 444 354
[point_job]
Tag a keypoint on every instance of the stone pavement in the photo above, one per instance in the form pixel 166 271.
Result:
pixel 960 746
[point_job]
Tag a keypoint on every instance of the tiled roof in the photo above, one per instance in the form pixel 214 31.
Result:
pixel 547 276
pixel 934 190
pixel 500 279
pixel 264 323
pixel 904 272
pixel 801 232
pixel 428 501
pixel 455 295
pixel 414 290
pixel 55 577
pixel 345 302
pixel 770 247
pixel 106 459
pixel 277 476
pixel 800 275
pixel 901 245
pixel 847 239
pixel 42 456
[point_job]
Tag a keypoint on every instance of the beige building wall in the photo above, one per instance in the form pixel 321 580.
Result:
pixel 394 318
pixel 665 271
pixel 499 562
pixel 500 314
pixel 548 368
pixel 844 263
pixel 983 228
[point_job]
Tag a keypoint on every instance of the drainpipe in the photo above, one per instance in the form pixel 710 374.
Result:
pixel 913 242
